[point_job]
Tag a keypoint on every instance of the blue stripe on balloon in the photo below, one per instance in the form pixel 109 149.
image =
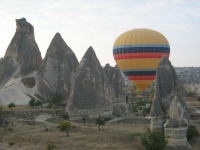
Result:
pixel 141 45
pixel 141 50
pixel 139 73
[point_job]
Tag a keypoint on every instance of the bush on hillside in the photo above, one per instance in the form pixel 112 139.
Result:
pixel 154 140
pixel 11 105
pixel 38 103
pixel 32 102
pixel 192 132
pixel 65 126
pixel 100 121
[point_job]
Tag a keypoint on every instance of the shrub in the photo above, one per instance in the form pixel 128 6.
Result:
pixel 11 105
pixel 11 143
pixel 192 132
pixel 10 129
pixel 50 145
pixel 65 126
pixel 38 103
pixel 50 105
pixel 141 102
pixel 99 121
pixel 32 102
pixel 154 140
pixel 134 109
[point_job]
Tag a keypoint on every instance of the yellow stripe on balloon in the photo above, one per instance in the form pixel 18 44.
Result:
pixel 141 84
pixel 126 64
pixel 141 36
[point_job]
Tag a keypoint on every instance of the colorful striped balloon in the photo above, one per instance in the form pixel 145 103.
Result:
pixel 138 52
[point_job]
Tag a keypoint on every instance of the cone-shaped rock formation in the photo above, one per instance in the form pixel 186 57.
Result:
pixel 57 70
pixel 121 106
pixel 168 101
pixel 91 92
pixel 22 55
pixel 167 86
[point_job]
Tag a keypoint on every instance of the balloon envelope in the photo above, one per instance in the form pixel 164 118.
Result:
pixel 138 52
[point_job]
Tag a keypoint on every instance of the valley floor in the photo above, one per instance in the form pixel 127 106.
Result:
pixel 28 134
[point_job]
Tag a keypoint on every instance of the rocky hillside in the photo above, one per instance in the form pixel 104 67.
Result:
pixel 188 75
pixel 87 88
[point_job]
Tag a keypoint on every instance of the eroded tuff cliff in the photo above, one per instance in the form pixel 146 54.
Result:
pixel 57 69
pixel 168 101
pixel 22 56
pixel 92 93
pixel 121 106
pixel 166 88
pixel 115 77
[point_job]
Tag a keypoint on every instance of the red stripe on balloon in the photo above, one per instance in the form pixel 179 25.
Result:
pixel 139 55
pixel 141 77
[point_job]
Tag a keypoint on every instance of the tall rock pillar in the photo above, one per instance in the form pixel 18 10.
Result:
pixel 169 103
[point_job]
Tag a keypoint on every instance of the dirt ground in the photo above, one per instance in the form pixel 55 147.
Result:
pixel 31 135
pixel 120 135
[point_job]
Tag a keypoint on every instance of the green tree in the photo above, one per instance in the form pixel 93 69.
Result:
pixel 192 132
pixel 32 102
pixel 55 98
pixel 65 126
pixel 11 105
pixel 99 121
pixel 37 103
pixel 154 140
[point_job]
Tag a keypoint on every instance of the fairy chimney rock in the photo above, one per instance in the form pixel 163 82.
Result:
pixel 22 55
pixel 91 92
pixel 57 70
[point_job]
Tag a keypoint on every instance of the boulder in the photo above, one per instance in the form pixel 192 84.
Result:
pixel 57 70
pixel 92 93
pixel 22 56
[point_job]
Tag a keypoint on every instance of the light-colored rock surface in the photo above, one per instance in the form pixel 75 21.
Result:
pixel 177 139
pixel 15 91
pixel 157 123
pixel 195 88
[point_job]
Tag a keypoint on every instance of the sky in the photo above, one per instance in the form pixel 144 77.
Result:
pixel 97 23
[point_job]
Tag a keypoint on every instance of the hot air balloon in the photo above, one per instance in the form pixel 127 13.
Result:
pixel 138 52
